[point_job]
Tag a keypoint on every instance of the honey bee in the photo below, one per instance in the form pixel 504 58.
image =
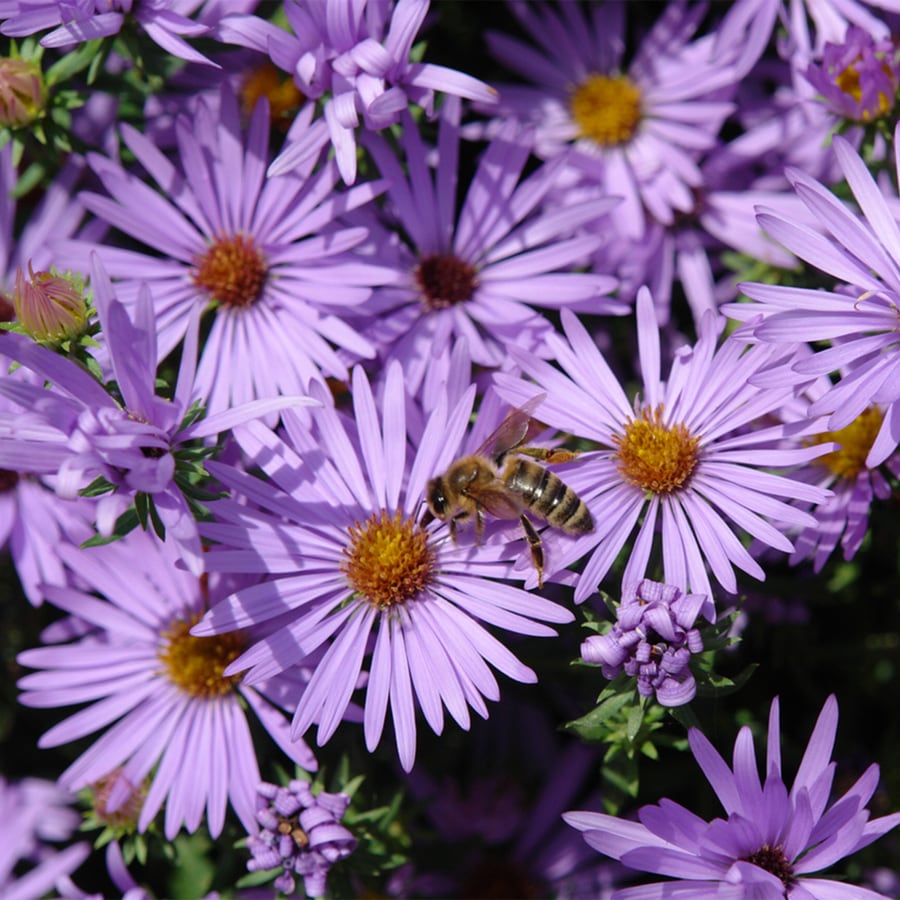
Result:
pixel 499 479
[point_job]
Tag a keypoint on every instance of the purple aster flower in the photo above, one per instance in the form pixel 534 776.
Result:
pixel 136 445
pixel 858 78
pixel 773 836
pixel 301 833
pixel 859 317
pixel 844 517
pixel 358 575
pixel 34 815
pixel 478 273
pixel 262 253
pixel 652 640
pixel 166 22
pixel 637 131
pixel 168 713
pixel 679 457
pixel 358 54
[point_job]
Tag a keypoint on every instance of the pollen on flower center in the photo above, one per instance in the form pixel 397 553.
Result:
pixel 856 441
pixel 196 664
pixel 849 81
pixel 607 109
pixel 655 456
pixel 773 860
pixel 388 560
pixel 444 281
pixel 232 271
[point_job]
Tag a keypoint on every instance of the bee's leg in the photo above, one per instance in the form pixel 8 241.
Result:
pixel 453 525
pixel 479 524
pixel 547 454
pixel 537 548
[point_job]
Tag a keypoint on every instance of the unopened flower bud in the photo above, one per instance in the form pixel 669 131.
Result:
pixel 22 92
pixel 50 308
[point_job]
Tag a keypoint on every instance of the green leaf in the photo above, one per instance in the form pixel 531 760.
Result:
pixel 97 487
pixel 126 523
pixel 635 719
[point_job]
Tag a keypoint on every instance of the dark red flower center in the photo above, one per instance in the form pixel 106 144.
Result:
pixel 8 480
pixel 773 860
pixel 445 280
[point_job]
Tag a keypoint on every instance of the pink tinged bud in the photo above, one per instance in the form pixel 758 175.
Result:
pixel 49 307
pixel 22 92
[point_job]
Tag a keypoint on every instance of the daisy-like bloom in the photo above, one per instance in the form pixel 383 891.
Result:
pixel 637 131
pixel 301 833
pixel 357 56
pixel 262 253
pixel 166 22
pixel 773 838
pixel 652 640
pixel 859 78
pixel 859 316
pixel 78 431
pixel 478 273
pixel 34 815
pixel 679 457
pixel 358 575
pixel 168 713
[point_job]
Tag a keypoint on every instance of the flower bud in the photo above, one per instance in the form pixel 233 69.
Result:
pixel 22 92
pixel 50 308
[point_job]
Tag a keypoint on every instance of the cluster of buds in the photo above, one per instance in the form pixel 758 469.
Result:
pixel 652 640
pixel 300 833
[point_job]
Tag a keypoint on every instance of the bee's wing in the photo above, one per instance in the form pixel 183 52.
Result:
pixel 499 502
pixel 515 430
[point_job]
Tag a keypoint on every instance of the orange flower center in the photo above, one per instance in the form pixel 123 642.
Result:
pixel 266 80
pixel 232 271
pixel 388 560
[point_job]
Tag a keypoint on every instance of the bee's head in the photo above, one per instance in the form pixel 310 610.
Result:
pixel 436 498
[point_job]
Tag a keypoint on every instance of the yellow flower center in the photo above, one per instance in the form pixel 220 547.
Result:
pixel 848 81
pixel 266 80
pixel 654 456
pixel 856 441
pixel 232 271
pixel 388 560
pixel 196 664
pixel 444 281
pixel 607 109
